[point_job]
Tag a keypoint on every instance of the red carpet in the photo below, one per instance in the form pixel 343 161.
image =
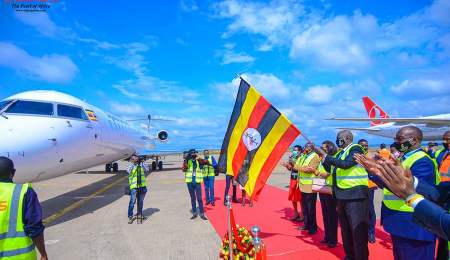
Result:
pixel 280 235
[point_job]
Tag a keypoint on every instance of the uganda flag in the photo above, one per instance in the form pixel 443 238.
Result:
pixel 257 137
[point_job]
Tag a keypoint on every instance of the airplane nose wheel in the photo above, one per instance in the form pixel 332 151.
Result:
pixel 115 167
pixel 108 167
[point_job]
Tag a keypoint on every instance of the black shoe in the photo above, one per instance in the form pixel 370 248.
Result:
pixel 312 232
pixel 302 228
pixel 203 217
pixel 207 203
pixel 234 201
pixel 213 203
pixel 331 245
pixel 194 216
pixel 225 203
pixel 130 220
pixel 323 241
pixel 372 239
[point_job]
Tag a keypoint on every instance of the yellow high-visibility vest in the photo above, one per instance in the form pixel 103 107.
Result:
pixel 353 176
pixel 133 178
pixel 14 243
pixel 307 178
pixel 208 170
pixel 190 172
pixel 393 202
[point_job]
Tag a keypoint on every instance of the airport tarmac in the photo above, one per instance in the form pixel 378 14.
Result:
pixel 86 215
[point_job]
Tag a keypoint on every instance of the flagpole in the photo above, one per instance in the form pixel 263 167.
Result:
pixel 230 233
pixel 304 136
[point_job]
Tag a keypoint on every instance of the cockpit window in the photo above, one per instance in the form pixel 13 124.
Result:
pixel 71 112
pixel 3 104
pixel 31 107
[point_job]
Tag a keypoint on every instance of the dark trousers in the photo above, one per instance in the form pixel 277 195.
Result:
pixel 229 180
pixel 354 218
pixel 195 191
pixel 209 188
pixel 442 252
pixel 372 216
pixel 309 211
pixel 410 249
pixel 330 217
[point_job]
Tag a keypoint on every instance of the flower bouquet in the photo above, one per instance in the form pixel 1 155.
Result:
pixel 242 245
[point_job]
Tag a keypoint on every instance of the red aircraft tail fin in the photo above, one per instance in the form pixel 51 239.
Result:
pixel 374 111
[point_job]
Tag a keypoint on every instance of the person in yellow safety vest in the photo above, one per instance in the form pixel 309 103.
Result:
pixel 327 201
pixel 306 166
pixel 193 176
pixel 138 187
pixel 443 161
pixel 372 187
pixel 410 241
pixel 417 194
pixel 350 188
pixel 209 167
pixel 21 228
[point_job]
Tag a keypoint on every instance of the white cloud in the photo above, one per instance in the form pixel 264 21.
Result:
pixel 53 68
pixel 319 94
pixel 127 109
pixel 188 5
pixel 267 84
pixel 104 45
pixel 144 86
pixel 43 24
pixel 273 20
pixel 439 12
pixel 424 87
pixel 333 44
pixel 230 56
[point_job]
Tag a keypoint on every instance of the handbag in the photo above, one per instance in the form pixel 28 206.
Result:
pixel 320 186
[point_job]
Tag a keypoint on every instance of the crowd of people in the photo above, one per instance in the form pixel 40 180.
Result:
pixel 415 183
pixel 416 193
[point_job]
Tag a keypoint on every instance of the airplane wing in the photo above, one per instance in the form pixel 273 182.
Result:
pixel 430 121
pixel 359 129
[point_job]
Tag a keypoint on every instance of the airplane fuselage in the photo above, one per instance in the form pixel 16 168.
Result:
pixel 57 142
pixel 430 132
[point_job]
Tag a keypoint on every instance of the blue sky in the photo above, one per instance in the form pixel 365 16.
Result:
pixel 311 59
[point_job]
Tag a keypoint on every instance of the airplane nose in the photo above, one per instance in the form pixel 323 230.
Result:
pixel 22 139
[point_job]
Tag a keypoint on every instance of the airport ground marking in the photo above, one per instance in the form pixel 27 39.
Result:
pixel 80 203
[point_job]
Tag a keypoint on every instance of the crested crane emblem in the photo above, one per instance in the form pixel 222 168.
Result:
pixel 251 138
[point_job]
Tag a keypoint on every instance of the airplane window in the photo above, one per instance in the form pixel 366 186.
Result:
pixel 31 107
pixel 72 112
pixel 3 104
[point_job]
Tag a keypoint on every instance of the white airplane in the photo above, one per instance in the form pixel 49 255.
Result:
pixel 433 127
pixel 48 134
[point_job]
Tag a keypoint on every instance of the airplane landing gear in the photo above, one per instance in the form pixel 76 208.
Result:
pixel 115 167
pixel 154 166
pixel 108 167
pixel 160 165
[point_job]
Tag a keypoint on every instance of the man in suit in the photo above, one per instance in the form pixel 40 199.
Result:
pixel 417 194
pixel 410 241
pixel 350 187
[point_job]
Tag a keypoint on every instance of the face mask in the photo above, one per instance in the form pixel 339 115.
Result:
pixel 403 147
pixel 445 146
pixel 340 142
pixel 396 154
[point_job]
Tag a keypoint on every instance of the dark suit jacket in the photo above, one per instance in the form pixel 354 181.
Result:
pixel 432 217
pixel 358 192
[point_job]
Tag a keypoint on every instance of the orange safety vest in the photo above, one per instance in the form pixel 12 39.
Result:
pixel 444 169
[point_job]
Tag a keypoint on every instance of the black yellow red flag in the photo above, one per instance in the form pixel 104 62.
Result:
pixel 257 137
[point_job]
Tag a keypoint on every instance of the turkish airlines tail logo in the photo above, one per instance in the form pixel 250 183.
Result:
pixel 374 111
